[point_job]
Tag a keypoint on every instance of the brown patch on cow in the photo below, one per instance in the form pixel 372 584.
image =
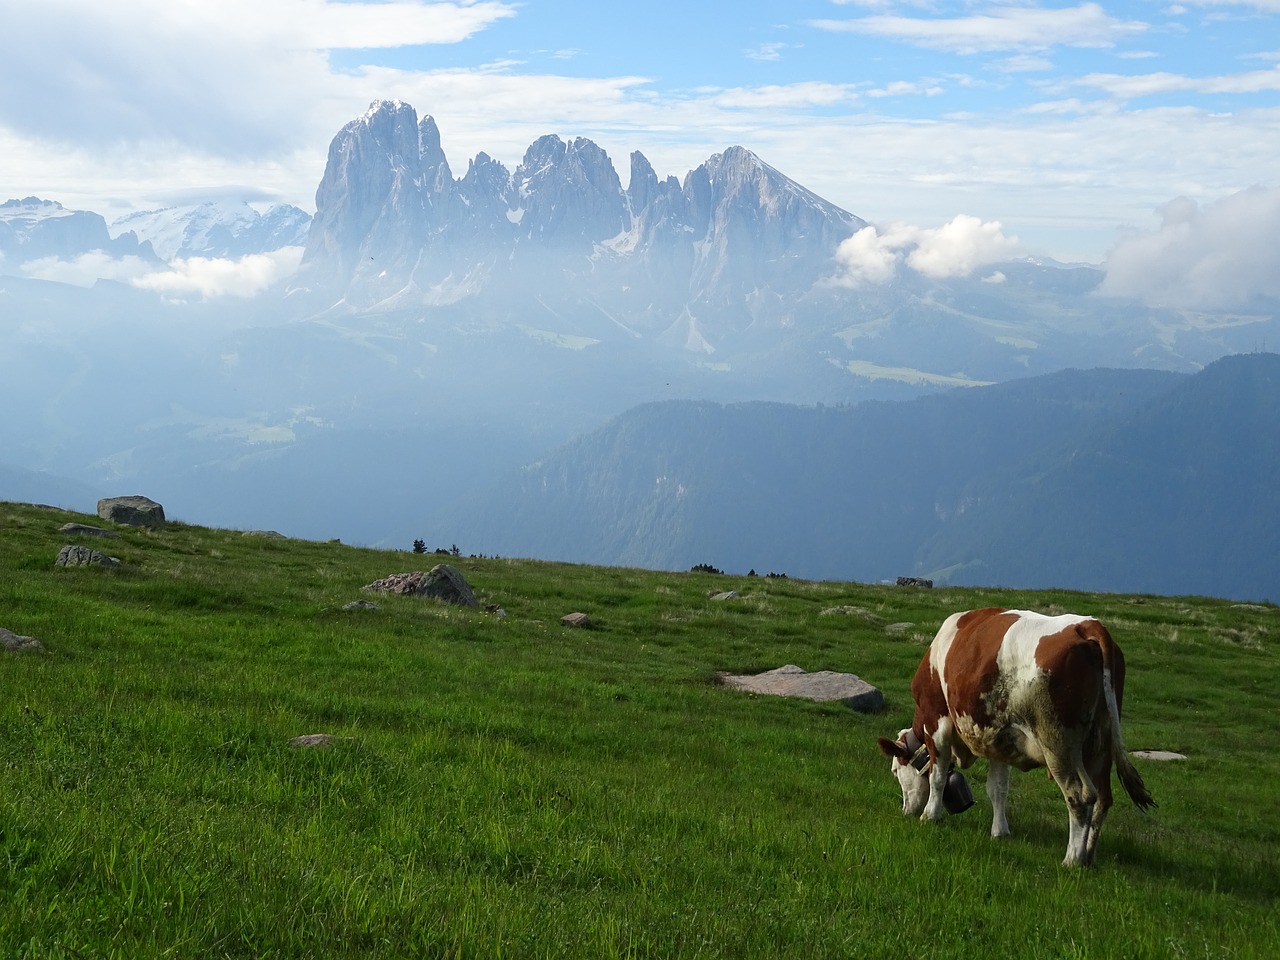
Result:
pixel 971 667
pixel 1073 658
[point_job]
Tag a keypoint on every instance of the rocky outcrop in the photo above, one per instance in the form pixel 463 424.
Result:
pixel 914 582
pixel 131 511
pixel 442 582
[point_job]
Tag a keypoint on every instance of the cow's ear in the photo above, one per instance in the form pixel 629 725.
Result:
pixel 892 748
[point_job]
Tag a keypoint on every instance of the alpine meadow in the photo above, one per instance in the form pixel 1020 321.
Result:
pixel 499 784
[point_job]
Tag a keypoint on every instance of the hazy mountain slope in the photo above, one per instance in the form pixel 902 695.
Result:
pixel 827 492
pixel 1178 496
pixel 18 484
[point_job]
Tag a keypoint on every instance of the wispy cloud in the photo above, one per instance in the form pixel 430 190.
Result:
pixel 1127 87
pixel 768 51
pixel 1000 28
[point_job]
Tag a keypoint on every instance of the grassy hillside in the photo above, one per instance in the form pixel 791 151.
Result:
pixel 509 786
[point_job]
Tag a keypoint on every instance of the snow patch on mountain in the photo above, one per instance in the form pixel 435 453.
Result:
pixel 216 229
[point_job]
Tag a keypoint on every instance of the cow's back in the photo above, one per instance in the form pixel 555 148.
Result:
pixel 1005 678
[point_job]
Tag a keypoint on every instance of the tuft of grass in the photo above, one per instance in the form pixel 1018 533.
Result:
pixel 513 786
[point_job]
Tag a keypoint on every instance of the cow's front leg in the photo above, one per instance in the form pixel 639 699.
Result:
pixel 998 794
pixel 934 809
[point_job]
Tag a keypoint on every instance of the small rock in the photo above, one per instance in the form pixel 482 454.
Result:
pixel 265 534
pixel 576 620
pixel 131 511
pixel 496 610
pixel 1158 755
pixel 726 595
pixel 84 530
pixel 360 605
pixel 16 644
pixel 895 628
pixel 76 556
pixel 313 740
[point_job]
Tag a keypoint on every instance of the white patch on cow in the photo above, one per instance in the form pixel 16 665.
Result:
pixel 939 649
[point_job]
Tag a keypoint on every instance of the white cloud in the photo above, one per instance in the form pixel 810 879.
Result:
pixel 1218 256
pixel 956 249
pixel 235 77
pixel 1001 28
pixel 206 277
pixel 244 277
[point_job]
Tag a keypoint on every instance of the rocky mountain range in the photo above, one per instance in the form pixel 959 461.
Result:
pixel 32 229
pixel 216 228
pixel 559 239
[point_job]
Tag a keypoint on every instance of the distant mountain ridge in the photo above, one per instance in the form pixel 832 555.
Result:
pixel 217 229
pixel 33 229
pixel 1117 480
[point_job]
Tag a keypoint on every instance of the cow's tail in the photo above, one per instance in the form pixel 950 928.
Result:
pixel 1130 778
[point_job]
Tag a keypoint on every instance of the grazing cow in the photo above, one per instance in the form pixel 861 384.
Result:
pixel 1023 690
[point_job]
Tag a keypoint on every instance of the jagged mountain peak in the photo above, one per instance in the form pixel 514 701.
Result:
pixel 391 220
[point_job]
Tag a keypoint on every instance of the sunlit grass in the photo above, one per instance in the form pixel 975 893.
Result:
pixel 511 786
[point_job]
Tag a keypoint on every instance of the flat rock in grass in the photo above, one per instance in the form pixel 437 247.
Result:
pixel 576 620
pixel 726 595
pixel 360 605
pixel 84 530
pixel 313 740
pixel 823 685
pixel 17 644
pixel 1158 755
pixel 442 582
pixel 73 555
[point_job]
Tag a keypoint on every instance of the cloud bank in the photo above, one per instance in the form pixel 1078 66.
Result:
pixel 1222 255
pixel 197 277
pixel 956 249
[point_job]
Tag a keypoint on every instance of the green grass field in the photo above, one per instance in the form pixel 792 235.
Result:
pixel 512 787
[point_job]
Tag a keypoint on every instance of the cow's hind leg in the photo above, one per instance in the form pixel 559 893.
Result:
pixel 1082 800
pixel 998 794
pixel 1100 772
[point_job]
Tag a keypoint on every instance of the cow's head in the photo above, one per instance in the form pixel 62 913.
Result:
pixel 905 755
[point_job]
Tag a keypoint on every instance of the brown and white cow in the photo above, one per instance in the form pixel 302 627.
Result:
pixel 1023 690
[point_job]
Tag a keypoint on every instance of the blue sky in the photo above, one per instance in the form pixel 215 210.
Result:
pixel 1073 125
